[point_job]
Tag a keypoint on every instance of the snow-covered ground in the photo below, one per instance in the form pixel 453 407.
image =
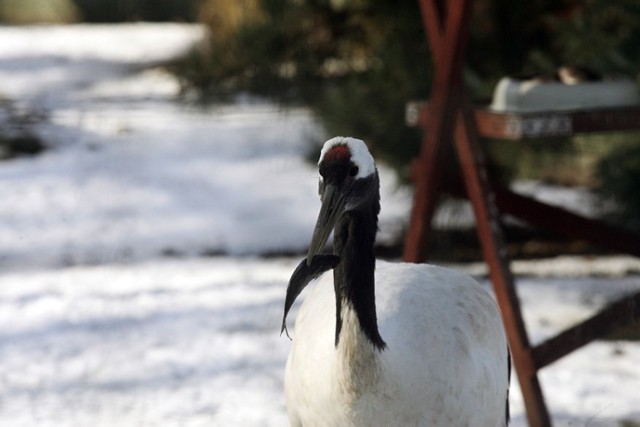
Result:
pixel 108 314
pixel 196 342
pixel 134 174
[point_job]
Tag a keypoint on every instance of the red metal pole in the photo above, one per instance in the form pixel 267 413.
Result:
pixel 476 181
pixel 448 51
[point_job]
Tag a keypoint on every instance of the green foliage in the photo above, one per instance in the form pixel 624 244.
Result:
pixel 357 62
pixel 137 10
pixel 619 176
pixel 371 103
pixel 550 160
pixel 511 38
pixel 37 12
pixel 64 11
pixel 604 36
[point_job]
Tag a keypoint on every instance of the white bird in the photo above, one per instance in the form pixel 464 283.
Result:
pixel 397 345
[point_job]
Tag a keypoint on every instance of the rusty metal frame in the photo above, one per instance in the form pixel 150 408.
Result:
pixel 449 116
pixel 535 125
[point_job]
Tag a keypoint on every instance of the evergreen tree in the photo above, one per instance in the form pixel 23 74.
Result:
pixel 356 63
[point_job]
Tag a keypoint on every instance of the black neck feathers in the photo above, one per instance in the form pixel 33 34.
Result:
pixel 354 282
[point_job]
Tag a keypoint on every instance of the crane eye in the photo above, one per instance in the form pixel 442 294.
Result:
pixel 353 171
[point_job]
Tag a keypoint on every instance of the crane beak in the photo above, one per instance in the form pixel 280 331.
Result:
pixel 333 202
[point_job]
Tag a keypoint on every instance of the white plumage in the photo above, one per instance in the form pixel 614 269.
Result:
pixel 444 359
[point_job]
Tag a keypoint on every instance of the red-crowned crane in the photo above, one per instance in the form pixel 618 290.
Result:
pixel 387 344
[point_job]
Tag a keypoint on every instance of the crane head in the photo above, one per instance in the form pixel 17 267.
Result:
pixel 348 182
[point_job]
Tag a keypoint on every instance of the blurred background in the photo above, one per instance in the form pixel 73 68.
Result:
pixel 158 188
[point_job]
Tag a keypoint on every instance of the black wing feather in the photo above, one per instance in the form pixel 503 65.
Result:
pixel 301 277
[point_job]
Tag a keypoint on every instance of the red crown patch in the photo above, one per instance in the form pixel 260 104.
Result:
pixel 338 152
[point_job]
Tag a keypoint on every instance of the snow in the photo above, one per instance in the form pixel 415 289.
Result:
pixel 134 174
pixel 109 313
pixel 156 343
pixel 196 342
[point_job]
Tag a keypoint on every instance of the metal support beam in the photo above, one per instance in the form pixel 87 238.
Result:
pixel 448 27
pixel 566 223
pixel 489 231
pixel 608 321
